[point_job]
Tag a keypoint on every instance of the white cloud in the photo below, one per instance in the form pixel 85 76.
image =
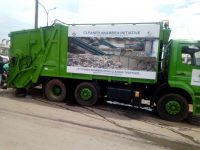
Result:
pixel 115 11
pixel 182 14
pixel 185 22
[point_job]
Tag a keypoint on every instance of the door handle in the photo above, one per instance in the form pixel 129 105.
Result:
pixel 181 73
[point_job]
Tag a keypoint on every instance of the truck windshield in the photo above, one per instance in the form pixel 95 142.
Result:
pixel 191 55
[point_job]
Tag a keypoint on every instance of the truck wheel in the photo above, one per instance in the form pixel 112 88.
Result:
pixel 173 107
pixel 55 90
pixel 86 94
pixel 20 92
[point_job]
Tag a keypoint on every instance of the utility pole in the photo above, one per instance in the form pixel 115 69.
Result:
pixel 36 14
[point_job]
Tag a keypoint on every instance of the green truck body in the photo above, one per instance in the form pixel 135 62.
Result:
pixel 122 64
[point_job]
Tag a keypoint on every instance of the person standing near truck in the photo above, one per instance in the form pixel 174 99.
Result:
pixel 1 69
pixel 5 75
pixel 6 67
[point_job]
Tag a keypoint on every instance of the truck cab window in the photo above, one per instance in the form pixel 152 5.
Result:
pixel 186 58
pixel 191 55
pixel 197 58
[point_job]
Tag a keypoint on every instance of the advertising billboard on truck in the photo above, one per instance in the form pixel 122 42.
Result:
pixel 114 50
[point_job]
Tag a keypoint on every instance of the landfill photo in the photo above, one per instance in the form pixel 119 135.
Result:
pixel 113 53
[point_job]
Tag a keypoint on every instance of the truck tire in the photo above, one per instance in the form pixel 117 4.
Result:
pixel 173 107
pixel 86 94
pixel 55 90
pixel 20 92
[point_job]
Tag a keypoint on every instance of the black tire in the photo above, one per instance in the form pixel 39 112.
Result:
pixel 179 113
pixel 20 92
pixel 93 94
pixel 51 93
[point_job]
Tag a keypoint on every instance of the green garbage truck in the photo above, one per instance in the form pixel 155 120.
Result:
pixel 127 63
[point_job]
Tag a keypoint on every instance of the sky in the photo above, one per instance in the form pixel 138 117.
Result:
pixel 183 15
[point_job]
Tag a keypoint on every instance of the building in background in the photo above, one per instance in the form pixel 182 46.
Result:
pixel 4 47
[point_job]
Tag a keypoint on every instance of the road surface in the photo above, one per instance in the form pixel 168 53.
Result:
pixel 33 123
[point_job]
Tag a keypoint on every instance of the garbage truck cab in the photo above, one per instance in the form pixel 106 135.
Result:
pixel 181 70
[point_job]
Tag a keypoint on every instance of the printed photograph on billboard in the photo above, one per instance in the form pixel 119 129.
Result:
pixel 125 51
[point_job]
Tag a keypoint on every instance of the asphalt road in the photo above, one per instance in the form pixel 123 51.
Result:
pixel 33 123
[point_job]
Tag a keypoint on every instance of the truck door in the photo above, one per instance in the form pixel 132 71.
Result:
pixel 188 66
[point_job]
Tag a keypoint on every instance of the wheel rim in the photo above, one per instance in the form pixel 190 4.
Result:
pixel 173 107
pixel 56 90
pixel 86 94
